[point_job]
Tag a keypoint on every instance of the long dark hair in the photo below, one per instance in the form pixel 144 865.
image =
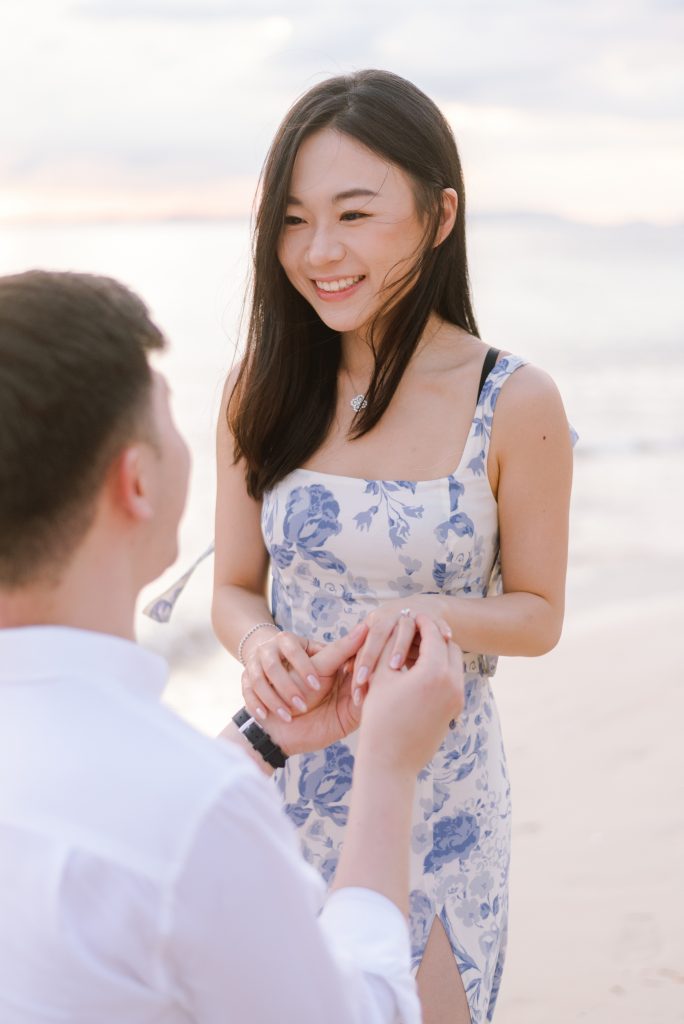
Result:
pixel 284 398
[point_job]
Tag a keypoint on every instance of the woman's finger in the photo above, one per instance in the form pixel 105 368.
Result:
pixel 271 701
pixel 444 628
pixel 252 703
pixel 380 630
pixel 302 665
pixel 289 690
pixel 404 632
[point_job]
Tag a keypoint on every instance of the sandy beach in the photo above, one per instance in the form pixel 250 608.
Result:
pixel 597 765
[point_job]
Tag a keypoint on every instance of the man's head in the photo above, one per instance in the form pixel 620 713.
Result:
pixel 81 413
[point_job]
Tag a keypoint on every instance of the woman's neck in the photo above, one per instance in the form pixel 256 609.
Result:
pixel 357 355
pixel 358 358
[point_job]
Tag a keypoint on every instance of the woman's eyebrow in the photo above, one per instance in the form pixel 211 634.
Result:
pixel 350 193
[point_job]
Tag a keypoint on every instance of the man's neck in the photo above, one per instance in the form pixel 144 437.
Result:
pixel 91 594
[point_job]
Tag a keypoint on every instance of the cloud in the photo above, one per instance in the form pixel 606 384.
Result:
pixel 616 58
pixel 190 92
pixel 186 10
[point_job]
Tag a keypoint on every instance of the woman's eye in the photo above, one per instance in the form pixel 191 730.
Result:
pixel 353 215
pixel 291 219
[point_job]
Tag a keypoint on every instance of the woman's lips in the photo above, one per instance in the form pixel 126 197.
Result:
pixel 334 289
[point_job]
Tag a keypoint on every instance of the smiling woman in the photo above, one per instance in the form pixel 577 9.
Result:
pixel 361 461
pixel 368 235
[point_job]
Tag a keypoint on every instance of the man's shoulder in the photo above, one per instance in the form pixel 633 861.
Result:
pixel 112 772
pixel 185 771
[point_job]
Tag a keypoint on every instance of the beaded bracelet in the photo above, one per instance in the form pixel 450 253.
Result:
pixel 251 632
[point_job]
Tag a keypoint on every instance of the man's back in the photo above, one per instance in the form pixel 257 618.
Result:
pixel 136 848
pixel 101 796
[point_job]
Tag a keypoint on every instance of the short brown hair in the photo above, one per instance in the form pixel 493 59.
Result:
pixel 74 389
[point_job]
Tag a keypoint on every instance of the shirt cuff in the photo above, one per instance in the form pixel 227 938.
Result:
pixel 369 932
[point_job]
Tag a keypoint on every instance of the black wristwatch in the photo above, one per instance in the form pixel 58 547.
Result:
pixel 259 738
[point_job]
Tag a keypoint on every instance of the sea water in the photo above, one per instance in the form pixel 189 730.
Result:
pixel 599 308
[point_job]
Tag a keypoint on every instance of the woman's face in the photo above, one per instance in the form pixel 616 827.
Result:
pixel 351 229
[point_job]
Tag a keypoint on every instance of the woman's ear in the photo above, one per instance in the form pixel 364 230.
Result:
pixel 449 211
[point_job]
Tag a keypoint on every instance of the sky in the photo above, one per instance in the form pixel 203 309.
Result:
pixel 165 108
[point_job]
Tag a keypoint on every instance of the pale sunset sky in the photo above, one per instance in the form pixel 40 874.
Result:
pixel 113 109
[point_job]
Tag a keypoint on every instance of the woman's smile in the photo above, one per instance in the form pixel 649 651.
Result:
pixel 336 288
pixel 348 208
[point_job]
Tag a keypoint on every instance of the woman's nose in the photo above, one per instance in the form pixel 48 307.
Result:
pixel 325 247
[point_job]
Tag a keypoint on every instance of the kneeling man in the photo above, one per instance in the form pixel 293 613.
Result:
pixel 149 873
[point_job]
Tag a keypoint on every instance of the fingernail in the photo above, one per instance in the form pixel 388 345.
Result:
pixel 362 675
pixel 357 697
pixel 313 683
pixel 285 715
pixel 298 703
pixel 395 661
pixel 260 713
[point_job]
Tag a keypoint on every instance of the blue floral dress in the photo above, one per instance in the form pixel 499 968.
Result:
pixel 339 547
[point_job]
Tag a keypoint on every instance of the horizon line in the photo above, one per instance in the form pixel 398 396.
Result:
pixel 108 220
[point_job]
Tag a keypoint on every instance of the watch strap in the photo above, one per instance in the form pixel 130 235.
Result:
pixel 259 739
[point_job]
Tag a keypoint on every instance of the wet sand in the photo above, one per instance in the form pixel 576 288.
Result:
pixel 597 768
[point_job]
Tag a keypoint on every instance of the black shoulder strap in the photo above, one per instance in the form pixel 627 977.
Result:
pixel 487 367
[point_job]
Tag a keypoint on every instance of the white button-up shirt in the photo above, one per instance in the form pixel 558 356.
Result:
pixel 149 874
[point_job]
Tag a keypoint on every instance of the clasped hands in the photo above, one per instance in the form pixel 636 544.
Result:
pixel 308 695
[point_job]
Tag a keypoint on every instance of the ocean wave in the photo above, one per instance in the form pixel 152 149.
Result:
pixel 626 446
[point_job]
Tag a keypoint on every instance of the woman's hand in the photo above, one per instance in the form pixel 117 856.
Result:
pixel 395 622
pixel 280 677
pixel 336 715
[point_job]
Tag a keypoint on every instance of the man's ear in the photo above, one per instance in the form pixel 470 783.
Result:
pixel 449 211
pixel 132 479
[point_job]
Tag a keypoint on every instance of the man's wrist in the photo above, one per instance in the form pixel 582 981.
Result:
pixel 232 734
pixel 378 756
pixel 259 739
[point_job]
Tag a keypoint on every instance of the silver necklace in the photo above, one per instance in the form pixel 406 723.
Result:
pixel 358 402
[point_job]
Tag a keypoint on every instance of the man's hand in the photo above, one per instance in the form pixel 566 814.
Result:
pixel 406 714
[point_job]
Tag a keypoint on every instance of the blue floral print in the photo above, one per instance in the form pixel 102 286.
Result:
pixel 311 519
pixel 341 546
pixel 458 522
pixel 453 837
pixel 326 778
pixel 422 913
pixel 397 512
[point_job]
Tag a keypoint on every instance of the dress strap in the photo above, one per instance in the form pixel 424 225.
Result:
pixel 489 360
pixel 477 446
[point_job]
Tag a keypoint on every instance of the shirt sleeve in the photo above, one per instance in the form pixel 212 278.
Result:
pixel 245 939
pixel 364 929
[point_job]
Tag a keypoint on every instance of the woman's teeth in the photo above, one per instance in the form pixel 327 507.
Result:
pixel 339 285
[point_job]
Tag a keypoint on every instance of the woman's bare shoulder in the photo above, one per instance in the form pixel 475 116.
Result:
pixel 529 403
pixel 528 383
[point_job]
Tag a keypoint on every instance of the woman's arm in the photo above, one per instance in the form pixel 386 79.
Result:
pixel 241 560
pixel 530 472
pixel 239 603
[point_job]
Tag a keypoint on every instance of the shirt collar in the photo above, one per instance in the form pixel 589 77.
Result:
pixel 35 652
